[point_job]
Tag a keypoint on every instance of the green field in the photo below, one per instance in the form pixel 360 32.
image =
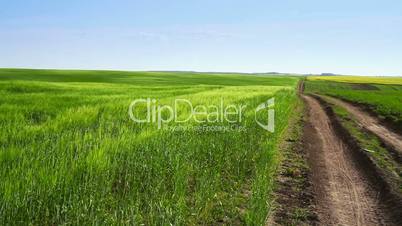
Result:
pixel 71 155
pixel 382 96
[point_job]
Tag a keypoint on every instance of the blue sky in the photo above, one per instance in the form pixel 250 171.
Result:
pixel 350 37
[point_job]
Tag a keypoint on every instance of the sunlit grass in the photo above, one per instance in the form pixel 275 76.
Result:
pixel 71 155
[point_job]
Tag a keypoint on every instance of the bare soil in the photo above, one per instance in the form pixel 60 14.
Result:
pixel 343 189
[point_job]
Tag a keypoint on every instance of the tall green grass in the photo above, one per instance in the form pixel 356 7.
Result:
pixel 69 154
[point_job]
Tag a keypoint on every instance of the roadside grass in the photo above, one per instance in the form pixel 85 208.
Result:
pixel 71 155
pixel 293 198
pixel 384 100
pixel 372 145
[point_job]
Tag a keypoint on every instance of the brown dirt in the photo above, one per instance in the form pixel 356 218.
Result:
pixel 372 124
pixel 344 194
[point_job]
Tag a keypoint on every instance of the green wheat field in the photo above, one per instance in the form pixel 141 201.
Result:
pixel 70 155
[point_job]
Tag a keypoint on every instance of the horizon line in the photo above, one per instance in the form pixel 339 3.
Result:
pixel 197 71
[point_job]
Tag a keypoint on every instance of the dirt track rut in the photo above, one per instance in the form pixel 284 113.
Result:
pixel 372 124
pixel 343 193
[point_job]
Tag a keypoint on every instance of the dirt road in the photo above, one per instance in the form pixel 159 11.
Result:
pixel 342 189
pixel 371 124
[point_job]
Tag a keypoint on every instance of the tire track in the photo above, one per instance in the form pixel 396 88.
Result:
pixel 343 193
pixel 371 124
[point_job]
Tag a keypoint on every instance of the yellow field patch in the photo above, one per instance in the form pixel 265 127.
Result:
pixel 360 79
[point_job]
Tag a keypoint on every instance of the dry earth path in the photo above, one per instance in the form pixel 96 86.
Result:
pixel 343 193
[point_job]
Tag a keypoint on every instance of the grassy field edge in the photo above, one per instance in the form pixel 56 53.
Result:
pixel 293 198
